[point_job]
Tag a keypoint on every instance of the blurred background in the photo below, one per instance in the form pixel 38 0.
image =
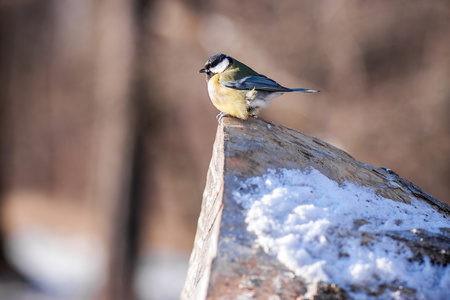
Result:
pixel 106 129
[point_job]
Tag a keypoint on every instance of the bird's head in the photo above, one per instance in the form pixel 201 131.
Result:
pixel 216 64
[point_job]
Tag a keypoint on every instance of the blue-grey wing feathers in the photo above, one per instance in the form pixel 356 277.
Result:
pixel 261 83
pixel 255 82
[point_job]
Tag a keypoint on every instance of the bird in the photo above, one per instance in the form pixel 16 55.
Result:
pixel 237 90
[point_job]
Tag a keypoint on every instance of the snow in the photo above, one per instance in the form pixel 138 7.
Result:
pixel 58 264
pixel 161 274
pixel 65 267
pixel 325 231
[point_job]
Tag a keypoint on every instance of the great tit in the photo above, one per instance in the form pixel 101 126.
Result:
pixel 237 90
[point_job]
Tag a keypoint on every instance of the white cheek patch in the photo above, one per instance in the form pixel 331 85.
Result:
pixel 222 66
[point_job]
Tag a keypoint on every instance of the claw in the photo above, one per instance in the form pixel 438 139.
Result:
pixel 220 116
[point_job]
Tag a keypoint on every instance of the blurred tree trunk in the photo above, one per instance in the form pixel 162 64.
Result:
pixel 66 130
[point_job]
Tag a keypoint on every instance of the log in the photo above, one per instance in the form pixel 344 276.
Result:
pixel 288 216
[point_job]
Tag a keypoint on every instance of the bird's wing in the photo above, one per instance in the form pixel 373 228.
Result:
pixel 257 82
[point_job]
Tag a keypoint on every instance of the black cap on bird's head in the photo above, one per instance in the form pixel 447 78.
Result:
pixel 216 64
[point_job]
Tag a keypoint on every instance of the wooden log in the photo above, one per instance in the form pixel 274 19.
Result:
pixel 371 233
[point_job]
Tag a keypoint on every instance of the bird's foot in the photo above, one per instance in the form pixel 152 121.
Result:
pixel 220 116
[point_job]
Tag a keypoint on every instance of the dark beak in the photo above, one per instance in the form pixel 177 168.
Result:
pixel 203 71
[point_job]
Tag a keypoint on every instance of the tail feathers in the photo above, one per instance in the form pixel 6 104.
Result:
pixel 304 90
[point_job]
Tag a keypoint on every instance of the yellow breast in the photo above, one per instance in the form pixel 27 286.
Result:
pixel 227 100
